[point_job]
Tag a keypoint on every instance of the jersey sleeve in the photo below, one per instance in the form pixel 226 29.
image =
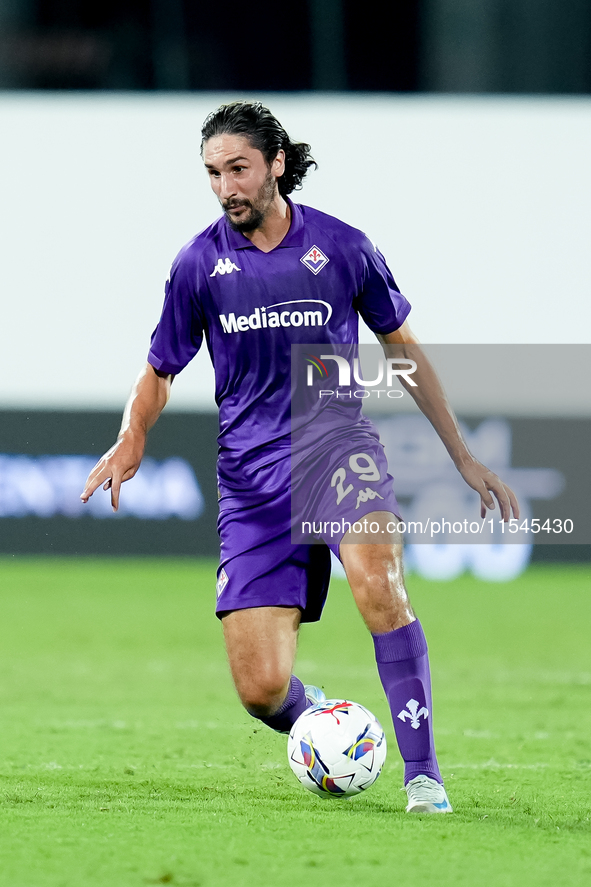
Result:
pixel 179 334
pixel 380 303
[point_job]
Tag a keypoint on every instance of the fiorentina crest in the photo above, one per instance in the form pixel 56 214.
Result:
pixel 314 259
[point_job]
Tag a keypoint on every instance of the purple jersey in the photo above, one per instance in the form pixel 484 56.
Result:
pixel 251 306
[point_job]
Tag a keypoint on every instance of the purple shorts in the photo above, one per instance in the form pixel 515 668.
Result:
pixel 332 492
pixel 270 553
pixel 259 566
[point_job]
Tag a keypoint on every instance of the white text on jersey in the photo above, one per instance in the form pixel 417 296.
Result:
pixel 263 318
pixel 224 266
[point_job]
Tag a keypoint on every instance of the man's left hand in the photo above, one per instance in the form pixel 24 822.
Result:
pixel 485 482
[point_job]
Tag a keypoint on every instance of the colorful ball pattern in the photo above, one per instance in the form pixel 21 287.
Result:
pixel 336 748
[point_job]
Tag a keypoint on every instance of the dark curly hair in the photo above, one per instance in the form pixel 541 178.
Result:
pixel 263 130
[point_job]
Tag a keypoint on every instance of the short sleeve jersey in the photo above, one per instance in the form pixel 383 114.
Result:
pixel 251 306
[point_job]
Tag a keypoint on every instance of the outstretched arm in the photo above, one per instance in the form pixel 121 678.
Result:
pixel 146 401
pixel 432 401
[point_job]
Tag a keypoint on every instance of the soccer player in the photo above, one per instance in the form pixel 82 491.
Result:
pixel 268 274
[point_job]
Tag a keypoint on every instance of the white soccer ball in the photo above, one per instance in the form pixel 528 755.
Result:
pixel 336 748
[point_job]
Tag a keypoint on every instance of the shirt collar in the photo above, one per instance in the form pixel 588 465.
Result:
pixel 294 237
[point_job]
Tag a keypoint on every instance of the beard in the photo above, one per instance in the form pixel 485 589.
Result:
pixel 257 208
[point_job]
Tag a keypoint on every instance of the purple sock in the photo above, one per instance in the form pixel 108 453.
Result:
pixel 295 703
pixel 403 665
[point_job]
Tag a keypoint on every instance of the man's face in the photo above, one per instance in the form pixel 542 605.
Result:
pixel 241 179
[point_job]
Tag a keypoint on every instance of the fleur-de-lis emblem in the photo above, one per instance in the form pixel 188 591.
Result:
pixel 413 714
pixel 314 259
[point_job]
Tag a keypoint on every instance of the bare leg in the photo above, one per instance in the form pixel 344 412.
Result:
pixel 261 644
pixel 375 574
pixel 376 577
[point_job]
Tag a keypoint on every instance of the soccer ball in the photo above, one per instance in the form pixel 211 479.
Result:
pixel 336 748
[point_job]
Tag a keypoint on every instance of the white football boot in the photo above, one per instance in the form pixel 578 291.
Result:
pixel 314 694
pixel 426 795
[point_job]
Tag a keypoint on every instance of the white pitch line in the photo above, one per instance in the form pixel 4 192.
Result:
pixel 493 765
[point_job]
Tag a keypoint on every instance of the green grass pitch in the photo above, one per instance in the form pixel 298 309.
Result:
pixel 126 759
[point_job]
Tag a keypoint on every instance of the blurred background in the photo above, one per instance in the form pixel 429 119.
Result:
pixel 457 134
pixel 492 46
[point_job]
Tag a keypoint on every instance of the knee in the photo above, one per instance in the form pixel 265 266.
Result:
pixel 375 582
pixel 263 696
pixel 379 592
pixel 376 593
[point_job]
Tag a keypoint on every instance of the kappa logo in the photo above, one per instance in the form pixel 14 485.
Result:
pixel 315 260
pixel 224 266
pixel 367 494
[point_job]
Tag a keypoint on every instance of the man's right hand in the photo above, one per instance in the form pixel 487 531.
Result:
pixel 146 401
pixel 119 464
